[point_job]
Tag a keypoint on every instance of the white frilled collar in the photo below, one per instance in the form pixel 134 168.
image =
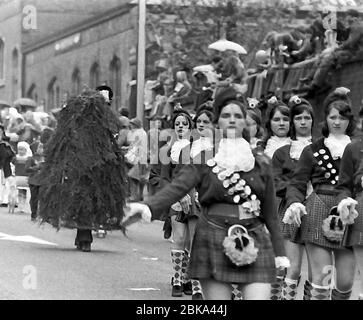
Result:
pixel 235 155
pixel 336 144
pixel 177 146
pixel 297 146
pixel 275 143
pixel 202 144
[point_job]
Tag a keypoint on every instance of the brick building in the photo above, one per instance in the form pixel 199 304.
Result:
pixel 50 49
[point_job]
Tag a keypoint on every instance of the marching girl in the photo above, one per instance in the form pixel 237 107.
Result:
pixel 254 123
pixel 278 135
pixel 284 162
pixel 277 126
pixel 183 211
pixel 351 186
pixel 237 196
pixel 320 229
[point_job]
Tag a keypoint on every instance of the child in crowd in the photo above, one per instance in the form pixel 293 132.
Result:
pixel 21 176
pixel 32 168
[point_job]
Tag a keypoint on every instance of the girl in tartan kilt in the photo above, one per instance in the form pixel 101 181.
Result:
pixel 351 195
pixel 320 227
pixel 284 162
pixel 238 205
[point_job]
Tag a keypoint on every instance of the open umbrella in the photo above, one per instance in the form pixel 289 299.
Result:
pixel 25 102
pixel 223 45
pixel 4 104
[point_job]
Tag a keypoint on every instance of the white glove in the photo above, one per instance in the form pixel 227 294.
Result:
pixel 136 207
pixel 293 213
pixel 347 211
pixel 282 262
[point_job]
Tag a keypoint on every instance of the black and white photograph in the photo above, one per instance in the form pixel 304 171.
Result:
pixel 181 151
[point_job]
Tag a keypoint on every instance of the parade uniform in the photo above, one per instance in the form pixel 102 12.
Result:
pixel 284 162
pixel 317 165
pixel 350 185
pixel 222 208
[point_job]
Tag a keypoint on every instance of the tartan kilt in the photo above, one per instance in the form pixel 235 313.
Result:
pixel 209 261
pixel 318 208
pixel 289 232
pixel 353 235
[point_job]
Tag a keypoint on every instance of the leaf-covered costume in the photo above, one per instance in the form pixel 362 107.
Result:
pixel 83 180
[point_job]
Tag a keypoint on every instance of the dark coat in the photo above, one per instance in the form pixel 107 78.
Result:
pixel 6 155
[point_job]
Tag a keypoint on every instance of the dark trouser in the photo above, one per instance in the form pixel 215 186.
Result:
pixel 83 235
pixel 34 199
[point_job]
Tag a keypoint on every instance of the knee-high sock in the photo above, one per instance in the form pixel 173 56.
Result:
pixel 236 292
pixel 289 289
pixel 320 292
pixel 184 268
pixel 177 258
pixel 340 295
pixel 307 290
pixel 196 287
pixel 276 288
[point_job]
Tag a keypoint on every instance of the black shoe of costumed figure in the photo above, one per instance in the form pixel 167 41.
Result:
pixel 86 246
pixel 187 288
pixel 177 291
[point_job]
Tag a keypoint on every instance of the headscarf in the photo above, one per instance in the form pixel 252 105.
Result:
pixel 25 145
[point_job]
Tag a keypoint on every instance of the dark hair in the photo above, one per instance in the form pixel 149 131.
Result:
pixel 353 13
pixel 257 118
pixel 285 111
pixel 227 96
pixel 183 113
pixel 204 109
pixel 341 102
pixel 298 106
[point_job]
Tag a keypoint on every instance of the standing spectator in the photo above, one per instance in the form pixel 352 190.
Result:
pixel 6 155
pixel 137 157
pixel 32 167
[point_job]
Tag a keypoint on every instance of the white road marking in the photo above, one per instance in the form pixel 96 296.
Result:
pixel 30 239
pixel 143 289
pixel 147 258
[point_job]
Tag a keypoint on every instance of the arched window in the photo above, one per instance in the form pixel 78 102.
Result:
pixel 52 94
pixel 2 57
pixel 76 82
pixel 31 93
pixel 15 74
pixel 115 80
pixel 94 75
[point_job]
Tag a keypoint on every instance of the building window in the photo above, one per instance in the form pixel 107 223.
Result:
pixel 15 74
pixel 52 94
pixel 115 80
pixel 2 57
pixel 76 82
pixel 94 75
pixel 31 93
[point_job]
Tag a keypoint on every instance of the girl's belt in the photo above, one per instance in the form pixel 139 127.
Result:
pixel 326 189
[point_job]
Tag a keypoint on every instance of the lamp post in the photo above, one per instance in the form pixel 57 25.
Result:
pixel 141 60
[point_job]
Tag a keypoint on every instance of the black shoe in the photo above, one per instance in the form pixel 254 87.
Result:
pixel 187 288
pixel 177 291
pixel 86 246
pixel 33 219
pixel 78 245
pixel 197 296
pixel 4 205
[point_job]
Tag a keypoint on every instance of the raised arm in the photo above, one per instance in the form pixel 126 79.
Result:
pixel 187 178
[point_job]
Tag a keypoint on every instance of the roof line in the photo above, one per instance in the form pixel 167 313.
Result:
pixel 84 24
